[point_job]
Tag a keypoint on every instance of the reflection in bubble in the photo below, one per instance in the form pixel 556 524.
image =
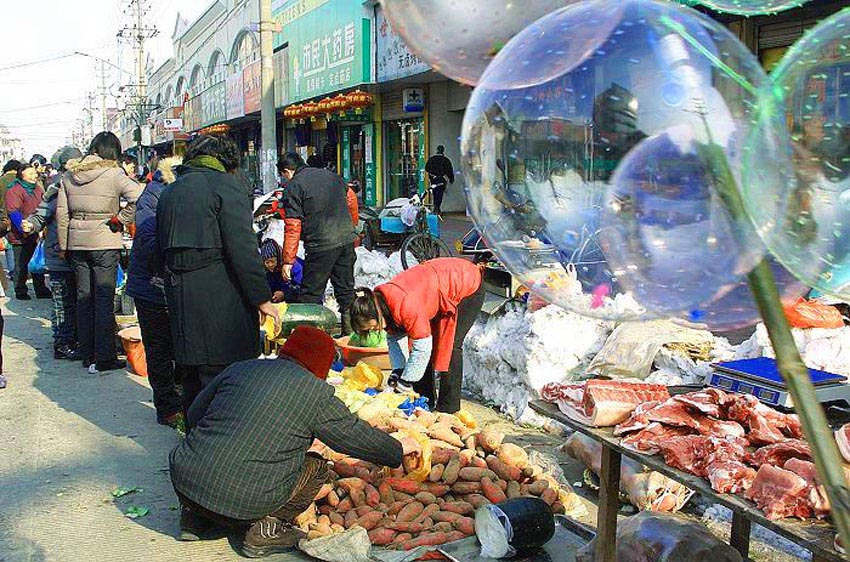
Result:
pixel 601 187
pixel 750 7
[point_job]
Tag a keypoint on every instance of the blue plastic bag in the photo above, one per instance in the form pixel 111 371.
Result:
pixel 409 406
pixel 36 264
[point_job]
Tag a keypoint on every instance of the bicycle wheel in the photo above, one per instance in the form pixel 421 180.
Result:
pixel 422 247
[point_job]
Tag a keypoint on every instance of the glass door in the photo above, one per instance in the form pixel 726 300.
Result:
pixel 404 149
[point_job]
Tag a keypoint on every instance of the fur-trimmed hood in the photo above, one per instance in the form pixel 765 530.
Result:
pixel 89 168
pixel 167 168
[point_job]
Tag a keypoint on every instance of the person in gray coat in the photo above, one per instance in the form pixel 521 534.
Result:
pixel 63 284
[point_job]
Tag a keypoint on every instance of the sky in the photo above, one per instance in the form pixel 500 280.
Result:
pixel 41 103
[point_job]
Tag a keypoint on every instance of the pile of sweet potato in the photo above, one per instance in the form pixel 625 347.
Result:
pixel 469 468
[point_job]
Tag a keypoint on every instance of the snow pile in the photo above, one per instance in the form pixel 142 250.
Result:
pixel 370 270
pixel 673 368
pixel 824 349
pixel 510 357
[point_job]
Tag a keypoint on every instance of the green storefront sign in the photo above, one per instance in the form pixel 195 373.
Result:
pixel 346 153
pixel 214 105
pixel 371 190
pixel 329 45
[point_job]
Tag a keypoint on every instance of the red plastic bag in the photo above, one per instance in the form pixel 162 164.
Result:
pixel 812 314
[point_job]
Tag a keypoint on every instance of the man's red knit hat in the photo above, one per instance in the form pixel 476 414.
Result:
pixel 312 348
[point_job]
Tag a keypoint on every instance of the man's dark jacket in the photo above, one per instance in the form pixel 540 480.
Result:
pixel 248 432
pixel 318 198
pixel 214 276
pixel 440 169
pixel 144 277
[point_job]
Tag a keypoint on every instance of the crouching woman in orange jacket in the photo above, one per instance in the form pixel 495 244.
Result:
pixel 434 305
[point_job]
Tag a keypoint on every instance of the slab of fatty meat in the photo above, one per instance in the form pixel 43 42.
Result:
pixel 842 437
pixel 602 403
pixel 778 454
pixel 778 492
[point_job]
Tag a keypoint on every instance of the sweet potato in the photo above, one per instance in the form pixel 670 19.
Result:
pixel 363 473
pixel 373 498
pixel 323 520
pixel 450 475
pixel 477 500
pixel 426 498
pixel 528 472
pixel 408 527
pixel 455 536
pixel 441 456
pixel 428 539
pixel 344 470
pixel 470 474
pixel 395 508
pixel 345 505
pixel 513 490
pixel 492 491
pixel 362 510
pixel 446 517
pixel 538 487
pixel 443 527
pixel 465 525
pixel 323 492
pixel 399 424
pixel 549 495
pixel 466 457
pixel 410 512
pixel 397 472
pixel 437 444
pixel 463 508
pixel 402 485
pixel 356 488
pixel 332 499
pixel 442 432
pixel 513 455
pixel 427 513
pixel 502 484
pixel 502 470
pixel 463 488
pixel 436 473
pixel 385 491
pixel 490 440
pixel 350 519
pixel 336 518
pixel 337 528
pixel 469 442
pixel 478 462
pixel 314 534
pixel 325 509
pixel 382 537
pixel 401 496
pixel 370 520
pixel 558 508
pixel 438 490
pixel 402 538
pixel 425 418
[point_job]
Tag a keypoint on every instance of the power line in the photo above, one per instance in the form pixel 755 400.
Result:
pixel 20 109
pixel 33 63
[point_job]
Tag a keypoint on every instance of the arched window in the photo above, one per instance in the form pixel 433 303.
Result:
pixel 169 97
pixel 180 89
pixel 197 76
pixel 246 49
pixel 217 63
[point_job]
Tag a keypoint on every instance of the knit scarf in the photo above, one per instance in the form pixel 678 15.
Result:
pixel 205 161
pixel 28 187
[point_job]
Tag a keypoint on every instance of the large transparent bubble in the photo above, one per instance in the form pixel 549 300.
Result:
pixel 459 38
pixel 616 172
pixel 750 7
pixel 810 234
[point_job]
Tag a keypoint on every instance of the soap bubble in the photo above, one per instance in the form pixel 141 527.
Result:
pixel 600 189
pixel 810 234
pixel 751 7
pixel 459 38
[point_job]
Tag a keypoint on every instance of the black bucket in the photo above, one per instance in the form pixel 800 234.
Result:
pixel 514 526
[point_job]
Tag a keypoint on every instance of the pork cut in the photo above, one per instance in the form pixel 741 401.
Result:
pixel 777 454
pixel 646 441
pixel 815 502
pixel 694 453
pixel 706 401
pixel 602 403
pixel 672 412
pixel 730 477
pixel 777 491
pixel 638 420
pixel 766 425
pixel 842 437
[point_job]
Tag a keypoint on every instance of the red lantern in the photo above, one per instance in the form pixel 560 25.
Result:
pixel 326 106
pixel 310 109
pixel 359 100
pixel 296 112
pixel 340 104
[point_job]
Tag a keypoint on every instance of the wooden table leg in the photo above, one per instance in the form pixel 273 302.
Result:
pixel 609 503
pixel 740 536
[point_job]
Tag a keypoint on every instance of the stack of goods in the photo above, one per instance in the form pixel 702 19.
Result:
pixel 602 403
pixel 462 469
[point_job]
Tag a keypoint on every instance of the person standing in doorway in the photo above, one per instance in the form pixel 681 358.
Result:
pixel 145 286
pixel 441 173
pixel 22 199
pixel 317 210
pixel 91 221
pixel 215 283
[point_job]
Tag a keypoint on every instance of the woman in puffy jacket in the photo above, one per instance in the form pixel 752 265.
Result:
pixel 91 220
pixel 434 305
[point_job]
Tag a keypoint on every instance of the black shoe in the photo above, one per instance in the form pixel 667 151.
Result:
pixel 398 384
pixel 269 536
pixel 67 353
pixel 23 297
pixel 192 526
pixel 105 366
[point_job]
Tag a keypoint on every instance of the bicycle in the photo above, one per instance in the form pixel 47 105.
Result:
pixel 420 243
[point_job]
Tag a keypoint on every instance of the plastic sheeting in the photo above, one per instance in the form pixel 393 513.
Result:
pixel 824 349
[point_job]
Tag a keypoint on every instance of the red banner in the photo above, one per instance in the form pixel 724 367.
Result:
pixel 252 83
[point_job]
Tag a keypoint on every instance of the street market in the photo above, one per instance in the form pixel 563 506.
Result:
pixel 407 280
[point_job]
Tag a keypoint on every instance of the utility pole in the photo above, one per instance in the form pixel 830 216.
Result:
pixel 268 119
pixel 104 92
pixel 136 34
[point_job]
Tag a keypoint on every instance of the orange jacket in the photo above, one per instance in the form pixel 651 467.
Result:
pixel 423 301
pixel 353 209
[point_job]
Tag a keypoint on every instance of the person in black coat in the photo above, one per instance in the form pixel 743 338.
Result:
pixel 214 279
pixel 317 211
pixel 441 173
pixel 145 285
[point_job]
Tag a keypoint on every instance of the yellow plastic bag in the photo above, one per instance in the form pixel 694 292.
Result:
pixel 467 419
pixel 363 376
pixel 272 331
pixel 423 469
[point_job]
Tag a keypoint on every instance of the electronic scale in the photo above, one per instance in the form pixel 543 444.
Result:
pixel 760 377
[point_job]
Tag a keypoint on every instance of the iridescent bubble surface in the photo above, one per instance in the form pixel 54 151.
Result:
pixel 810 234
pixel 751 7
pixel 459 38
pixel 615 171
